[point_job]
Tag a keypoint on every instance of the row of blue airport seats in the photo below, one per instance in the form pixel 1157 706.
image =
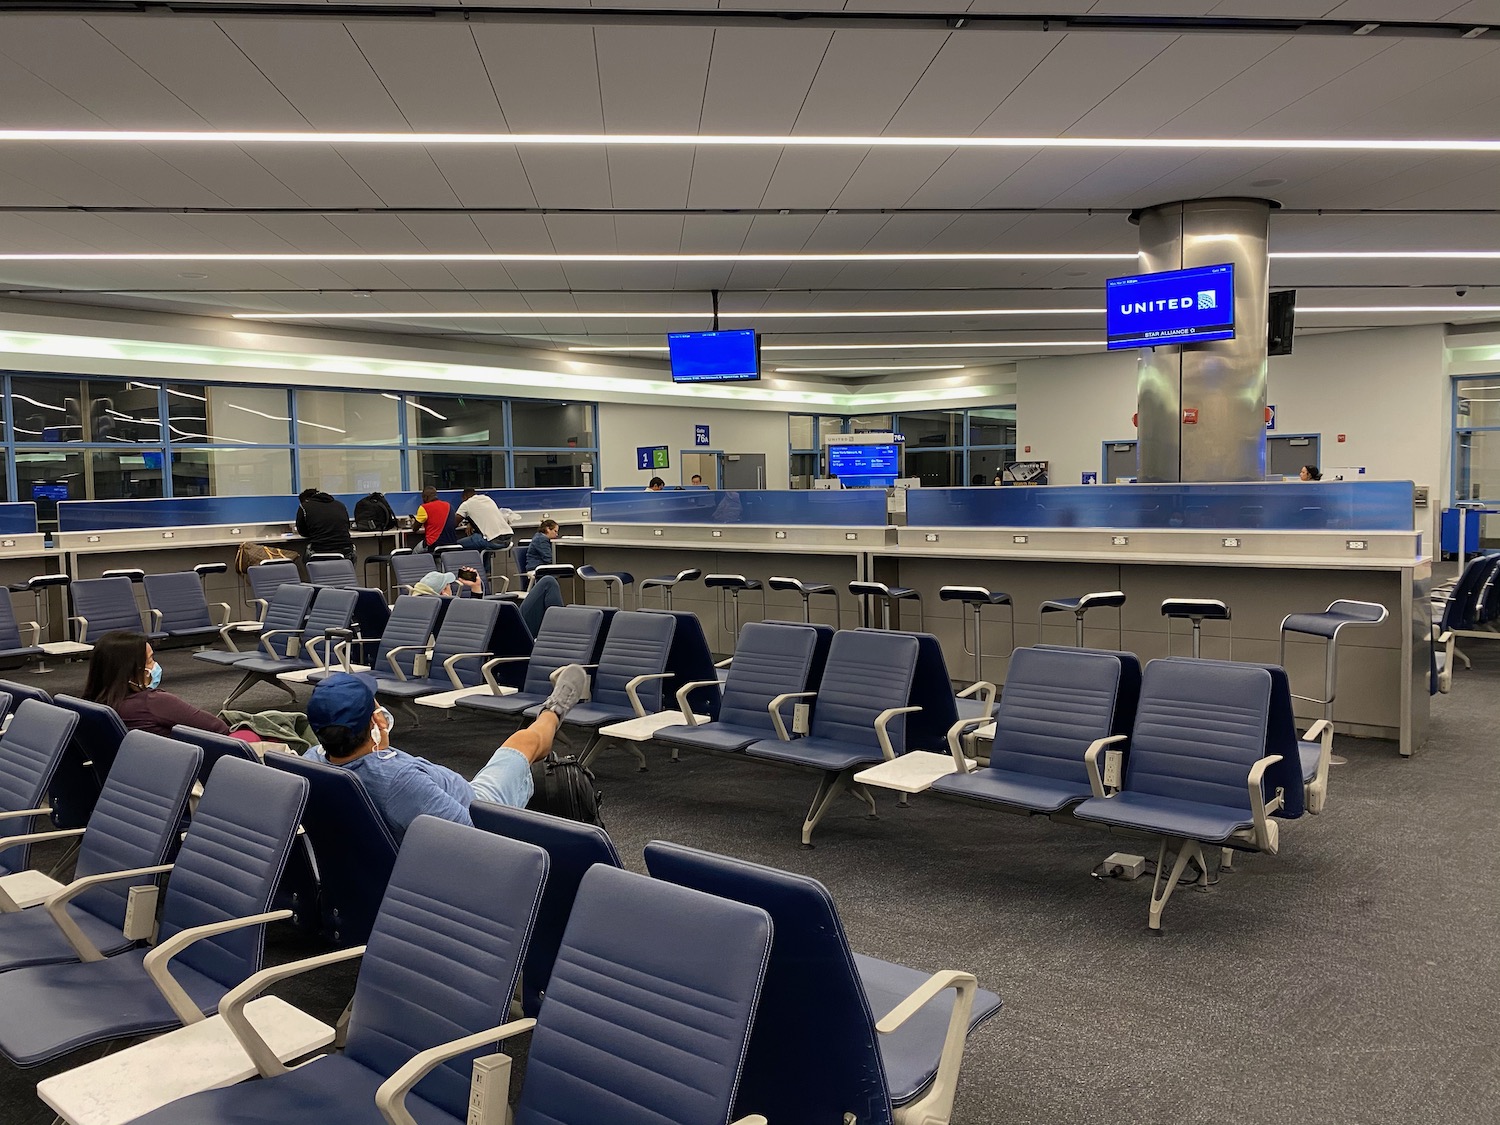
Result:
pixel 889 1039
pixel 1469 607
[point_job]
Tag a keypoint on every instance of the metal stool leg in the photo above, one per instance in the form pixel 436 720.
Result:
pixel 978 646
pixel 807 609
pixel 666 597
pixel 1197 638
pixel 1078 621
pixel 885 614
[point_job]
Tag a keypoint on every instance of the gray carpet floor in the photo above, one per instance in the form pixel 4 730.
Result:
pixel 1352 980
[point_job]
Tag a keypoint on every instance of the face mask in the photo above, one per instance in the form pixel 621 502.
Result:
pixel 390 721
pixel 154 680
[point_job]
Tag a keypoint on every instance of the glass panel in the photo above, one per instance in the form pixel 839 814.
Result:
pixel 1478 457
pixel 933 428
pixel 985 464
pixel 76 410
pixel 995 426
pixel 124 475
pixel 555 424
pixel 468 468
pixel 350 470
pixel 935 468
pixel 800 430
pixel 347 418
pixel 48 476
pixel 860 507
pixel 868 424
pixel 434 419
pixel 552 470
pixel 829 425
pixel 228 415
pixel 804 467
pixel 1478 402
pixel 232 472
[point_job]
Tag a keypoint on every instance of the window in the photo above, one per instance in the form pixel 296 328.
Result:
pixel 231 472
pixel 77 411
pixel 938 429
pixel 350 470
pixel 993 426
pixel 554 425
pixel 553 470
pixel 468 468
pixel 1476 438
pixel 347 418
pixel 801 431
pixel 228 415
pixel 940 468
pixel 437 420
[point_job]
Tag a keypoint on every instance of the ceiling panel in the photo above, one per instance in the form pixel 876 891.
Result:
pixel 546 77
pixel 319 69
pixel 760 77
pixel 864 78
pixel 435 75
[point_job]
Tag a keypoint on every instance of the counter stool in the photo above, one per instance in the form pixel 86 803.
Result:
pixel 559 571
pixel 667 582
pixel 1339 616
pixel 977 597
pixel 807 590
pixel 203 570
pixel 135 575
pixel 1102 599
pixel 735 584
pixel 379 561
pixel 888 594
pixel 610 579
pixel 39 584
pixel 1196 610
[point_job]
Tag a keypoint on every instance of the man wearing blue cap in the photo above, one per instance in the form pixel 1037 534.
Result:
pixel 355 733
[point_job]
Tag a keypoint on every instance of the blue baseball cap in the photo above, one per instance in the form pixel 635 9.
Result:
pixel 344 699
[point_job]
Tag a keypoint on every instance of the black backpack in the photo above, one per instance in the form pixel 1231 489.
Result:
pixel 374 513
pixel 566 789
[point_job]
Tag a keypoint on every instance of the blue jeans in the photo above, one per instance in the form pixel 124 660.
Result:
pixel 477 542
pixel 505 779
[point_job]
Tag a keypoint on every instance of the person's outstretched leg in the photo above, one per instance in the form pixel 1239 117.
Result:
pixel 506 778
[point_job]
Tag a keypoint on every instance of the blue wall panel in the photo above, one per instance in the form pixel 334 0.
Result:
pixel 857 508
pixel 20 519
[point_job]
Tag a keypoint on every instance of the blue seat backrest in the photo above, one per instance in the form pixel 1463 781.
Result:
pixel 99 735
pixel 19 691
pixel 867 672
pixel 649 1010
pixel 31 749
pixel 1200 726
pixel 6 702
pixel 10 631
pixel 267 578
pixel 446 951
pixel 453 560
pixel 213 746
pixel 638 644
pixel 518 556
pixel 573 847
pixel 469 625
pixel 179 598
pixel 107 604
pixel 233 856
pixel 690 661
pixel 332 608
pixel 332 572
pixel 413 621
pixel 820 653
pixel 1487 602
pixel 813 1053
pixel 931 690
pixel 371 611
pixel 1463 593
pixel 769 660
pixel 137 818
pixel 354 849
pixel 510 638
pixel 1056 702
pixel 1127 696
pixel 409 569
pixel 286 612
pixel 569 635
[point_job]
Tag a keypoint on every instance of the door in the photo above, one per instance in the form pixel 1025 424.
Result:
pixel 1119 461
pixel 1287 453
pixel 705 465
pixel 744 470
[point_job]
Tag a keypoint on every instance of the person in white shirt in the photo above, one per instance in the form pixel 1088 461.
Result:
pixel 489 523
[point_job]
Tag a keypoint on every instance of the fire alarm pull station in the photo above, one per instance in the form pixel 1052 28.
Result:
pixel 1189 415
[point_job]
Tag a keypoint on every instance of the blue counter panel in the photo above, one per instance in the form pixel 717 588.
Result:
pixel 1276 506
pixel 864 508
pixel 20 519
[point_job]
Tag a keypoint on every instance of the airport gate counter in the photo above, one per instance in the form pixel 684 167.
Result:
pixel 1267 550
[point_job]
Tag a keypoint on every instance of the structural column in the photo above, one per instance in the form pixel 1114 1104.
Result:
pixel 1201 407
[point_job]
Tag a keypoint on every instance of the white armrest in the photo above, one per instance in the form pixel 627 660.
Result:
pixel 1091 760
pixel 16 815
pixel 155 619
pixel 956 732
pixel 986 692
pixel 36 633
pixel 55 906
pixel 156 960
pixel 488 670
pixel 725 663
pixel 81 630
pixel 775 708
pixel 454 659
pixel 632 685
pixel 390 658
pixel 685 690
pixel 232 1006
pixel 882 721
pixel 291 647
pixel 1267 836
pixel 224 617
pixel 937 1103
pixel 390 1099
pixel 8 905
pixel 1317 789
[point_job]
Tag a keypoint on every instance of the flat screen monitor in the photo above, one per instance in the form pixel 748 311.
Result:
pixel 53 492
pixel 865 466
pixel 714 357
pixel 1176 307
pixel 651 457
pixel 152 461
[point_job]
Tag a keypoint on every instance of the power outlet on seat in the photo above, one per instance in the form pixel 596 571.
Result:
pixel 801 718
pixel 1114 768
pixel 489 1091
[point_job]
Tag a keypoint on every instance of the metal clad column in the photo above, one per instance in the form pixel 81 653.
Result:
pixel 1224 380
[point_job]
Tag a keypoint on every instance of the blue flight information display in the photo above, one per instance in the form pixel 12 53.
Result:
pixel 1177 307
pixel 864 466
pixel 714 357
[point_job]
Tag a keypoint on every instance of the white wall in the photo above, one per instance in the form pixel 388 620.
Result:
pixel 624 427
pixel 1385 389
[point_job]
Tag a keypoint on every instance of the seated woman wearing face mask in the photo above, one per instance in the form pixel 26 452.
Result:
pixel 124 675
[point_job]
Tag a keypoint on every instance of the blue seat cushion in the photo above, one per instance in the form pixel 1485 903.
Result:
pixel 503 704
pixel 330 1090
pixel 972 708
pixel 1009 787
pixel 911 1054
pixel 1309 752
pixel 218 657
pixel 20 653
pixel 1167 816
pixel 71 1006
pixel 270 665
pixel 816 753
pixel 723 737
pixel 30 937
pixel 591 715
pixel 410 689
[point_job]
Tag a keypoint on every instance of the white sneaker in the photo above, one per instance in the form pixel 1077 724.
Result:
pixel 567 690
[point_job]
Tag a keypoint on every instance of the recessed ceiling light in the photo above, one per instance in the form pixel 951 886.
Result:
pixel 1365 28
pixel 1274 181
pixel 192 276
pixel 717 140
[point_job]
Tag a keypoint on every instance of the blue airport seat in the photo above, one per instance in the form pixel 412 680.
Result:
pixel 282 619
pixel 403 643
pixel 630 675
pixel 6 702
pixel 19 692
pixel 569 635
pixel 771 661
pixel 31 750
pixel 442 962
pixel 471 631
pixel 1213 758
pixel 135 825
pixel 371 612
pixel 179 608
pixel 858 717
pixel 407 570
pixel 932 691
pixel 224 876
pixel 822 1047
pixel 15 649
pixel 1059 705
pixel 84 770
pixel 103 605
pixel 573 848
pixel 453 559
pixel 353 849
pixel 266 578
pixel 311 646
pixel 213 747
pixel 826 634
pixel 336 572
